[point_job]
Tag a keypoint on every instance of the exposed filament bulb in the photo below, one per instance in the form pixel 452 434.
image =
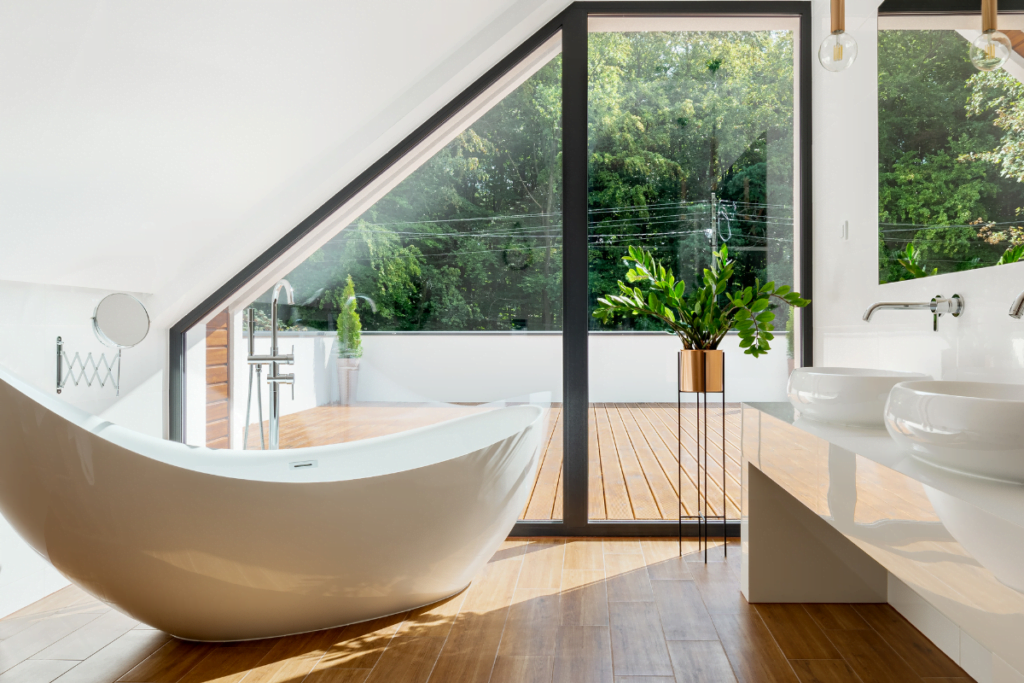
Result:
pixel 838 51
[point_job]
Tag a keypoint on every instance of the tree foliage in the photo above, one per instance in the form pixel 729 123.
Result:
pixel 947 156
pixel 471 240
pixel 350 341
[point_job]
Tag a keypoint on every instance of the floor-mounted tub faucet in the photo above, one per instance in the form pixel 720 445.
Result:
pixel 276 359
pixel 275 379
pixel 1017 307
pixel 939 305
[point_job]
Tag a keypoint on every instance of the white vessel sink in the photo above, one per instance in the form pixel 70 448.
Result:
pixel 997 544
pixel 971 427
pixel 845 396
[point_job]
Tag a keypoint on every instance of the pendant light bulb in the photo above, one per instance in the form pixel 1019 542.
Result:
pixel 839 50
pixel 991 49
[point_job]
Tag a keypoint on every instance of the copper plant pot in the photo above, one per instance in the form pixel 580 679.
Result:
pixel 692 366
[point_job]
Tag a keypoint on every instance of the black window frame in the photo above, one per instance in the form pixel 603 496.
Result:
pixel 573 24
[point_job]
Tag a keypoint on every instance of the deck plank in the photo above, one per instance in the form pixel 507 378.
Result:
pixel 548 473
pixel 595 476
pixel 660 479
pixel 616 496
pixel 640 496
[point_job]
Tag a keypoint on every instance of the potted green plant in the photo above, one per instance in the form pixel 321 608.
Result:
pixel 350 342
pixel 702 319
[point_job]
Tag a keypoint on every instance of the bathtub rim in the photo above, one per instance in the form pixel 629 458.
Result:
pixel 211 462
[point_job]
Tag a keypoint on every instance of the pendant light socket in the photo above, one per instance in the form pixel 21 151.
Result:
pixel 989 15
pixel 839 15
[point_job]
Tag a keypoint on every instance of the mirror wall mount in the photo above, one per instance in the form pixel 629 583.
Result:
pixel 119 321
pixel 89 370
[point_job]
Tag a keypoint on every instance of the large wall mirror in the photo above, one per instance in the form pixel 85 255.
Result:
pixel 950 148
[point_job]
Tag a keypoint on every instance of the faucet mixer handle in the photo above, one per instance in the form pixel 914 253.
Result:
pixel 940 305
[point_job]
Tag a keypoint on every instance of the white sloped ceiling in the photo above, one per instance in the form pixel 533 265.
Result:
pixel 159 147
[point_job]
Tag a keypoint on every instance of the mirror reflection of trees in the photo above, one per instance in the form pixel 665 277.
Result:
pixel 951 158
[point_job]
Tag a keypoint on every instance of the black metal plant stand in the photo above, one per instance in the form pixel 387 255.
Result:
pixel 701 515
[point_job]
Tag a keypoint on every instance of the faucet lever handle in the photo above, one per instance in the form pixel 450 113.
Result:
pixel 941 305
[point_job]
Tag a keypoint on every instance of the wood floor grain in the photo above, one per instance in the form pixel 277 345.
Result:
pixel 547 610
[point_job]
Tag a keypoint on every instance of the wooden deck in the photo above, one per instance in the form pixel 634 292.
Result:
pixel 632 451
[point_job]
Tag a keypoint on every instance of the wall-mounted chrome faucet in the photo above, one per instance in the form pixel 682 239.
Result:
pixel 938 306
pixel 1017 307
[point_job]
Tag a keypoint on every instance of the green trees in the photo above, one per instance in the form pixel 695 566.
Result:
pixel 949 179
pixel 688 131
pixel 690 134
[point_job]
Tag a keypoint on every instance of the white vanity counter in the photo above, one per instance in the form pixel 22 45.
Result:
pixel 842 514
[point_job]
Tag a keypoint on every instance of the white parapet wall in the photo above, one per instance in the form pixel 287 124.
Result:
pixel 484 367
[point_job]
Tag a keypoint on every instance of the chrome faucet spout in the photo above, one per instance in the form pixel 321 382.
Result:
pixel 938 306
pixel 895 306
pixel 274 298
pixel 1017 307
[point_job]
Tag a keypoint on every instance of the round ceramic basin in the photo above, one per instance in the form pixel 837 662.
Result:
pixel 997 544
pixel 971 427
pixel 844 396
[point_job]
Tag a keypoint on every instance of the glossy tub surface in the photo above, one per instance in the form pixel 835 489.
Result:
pixel 234 545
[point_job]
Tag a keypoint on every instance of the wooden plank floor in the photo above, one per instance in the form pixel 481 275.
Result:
pixel 632 453
pixel 542 611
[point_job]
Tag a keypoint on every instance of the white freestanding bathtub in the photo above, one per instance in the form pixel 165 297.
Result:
pixel 232 545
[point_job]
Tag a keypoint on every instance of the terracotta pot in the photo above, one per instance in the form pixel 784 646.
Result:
pixel 702 371
pixel 348 380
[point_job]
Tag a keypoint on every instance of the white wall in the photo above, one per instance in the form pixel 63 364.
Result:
pixel 201 130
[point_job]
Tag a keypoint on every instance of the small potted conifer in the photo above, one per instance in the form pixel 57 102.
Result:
pixel 350 343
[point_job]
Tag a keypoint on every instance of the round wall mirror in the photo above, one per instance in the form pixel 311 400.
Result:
pixel 120 321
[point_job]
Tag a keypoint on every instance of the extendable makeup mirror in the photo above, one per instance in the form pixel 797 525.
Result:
pixel 120 321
